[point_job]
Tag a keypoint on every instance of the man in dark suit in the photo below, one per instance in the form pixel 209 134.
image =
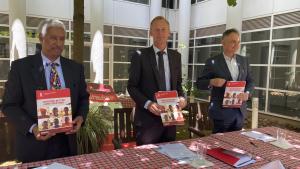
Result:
pixel 154 69
pixel 227 66
pixel 34 73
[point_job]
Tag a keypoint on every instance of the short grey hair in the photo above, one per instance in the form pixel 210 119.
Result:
pixel 47 23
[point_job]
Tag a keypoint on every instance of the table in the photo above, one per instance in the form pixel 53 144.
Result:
pixel 290 158
pixel 146 157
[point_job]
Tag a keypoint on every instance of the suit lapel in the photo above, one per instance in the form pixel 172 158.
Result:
pixel 172 69
pixel 38 72
pixel 240 66
pixel 224 66
pixel 153 64
pixel 67 71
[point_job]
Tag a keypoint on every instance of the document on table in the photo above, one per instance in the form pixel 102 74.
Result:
pixel 176 151
pixel 259 136
pixel 55 166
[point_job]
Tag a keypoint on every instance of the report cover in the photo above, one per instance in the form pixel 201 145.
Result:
pixel 172 114
pixel 54 110
pixel 232 90
pixel 234 158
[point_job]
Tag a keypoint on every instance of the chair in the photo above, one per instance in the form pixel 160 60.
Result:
pixel 124 133
pixel 199 122
pixel 7 140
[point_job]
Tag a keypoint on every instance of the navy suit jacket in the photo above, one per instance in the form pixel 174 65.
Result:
pixel 143 82
pixel 19 101
pixel 216 67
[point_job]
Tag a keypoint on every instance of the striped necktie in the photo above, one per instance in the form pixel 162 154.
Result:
pixel 54 78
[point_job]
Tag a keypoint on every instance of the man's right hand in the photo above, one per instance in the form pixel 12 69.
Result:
pixel 40 137
pixel 217 82
pixel 155 108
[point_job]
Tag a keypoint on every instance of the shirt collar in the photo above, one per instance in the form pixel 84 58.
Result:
pixel 158 50
pixel 46 60
pixel 229 58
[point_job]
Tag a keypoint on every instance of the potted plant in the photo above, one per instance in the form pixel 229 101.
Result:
pixel 91 135
pixel 190 91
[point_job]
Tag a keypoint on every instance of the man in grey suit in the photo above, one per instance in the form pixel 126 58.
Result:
pixel 227 66
pixel 154 69
pixel 34 73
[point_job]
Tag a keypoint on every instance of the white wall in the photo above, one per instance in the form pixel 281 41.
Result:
pixel 260 8
pixel 50 8
pixel 286 5
pixel 208 13
pixel 4 6
pixel 130 14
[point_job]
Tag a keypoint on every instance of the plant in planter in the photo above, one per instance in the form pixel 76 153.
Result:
pixel 97 125
pixel 190 91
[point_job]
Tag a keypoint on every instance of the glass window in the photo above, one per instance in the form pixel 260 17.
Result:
pixel 106 54
pixel 285 78
pixel 193 1
pixel 191 43
pixel 121 70
pixel 256 36
pixel 198 69
pixel 191 52
pixel 168 4
pixel 257 53
pixel 4 31
pixel 284 103
pixel 190 72
pixel 259 74
pixel 286 52
pixel 130 41
pixel 120 86
pixel 4 47
pixel 140 1
pixel 107 39
pixel 261 95
pixel 202 54
pixel 106 71
pixel 4 65
pixel 86 66
pixel 208 41
pixel 87 53
pixel 123 53
pixel 286 33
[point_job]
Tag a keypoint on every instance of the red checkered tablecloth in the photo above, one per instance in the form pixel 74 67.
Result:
pixel 143 157
pixel 290 158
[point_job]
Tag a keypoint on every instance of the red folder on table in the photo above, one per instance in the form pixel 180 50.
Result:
pixel 231 157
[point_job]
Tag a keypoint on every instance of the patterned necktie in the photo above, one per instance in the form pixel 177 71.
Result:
pixel 161 70
pixel 54 78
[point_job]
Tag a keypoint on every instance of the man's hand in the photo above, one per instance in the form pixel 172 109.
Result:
pixel 76 125
pixel 41 137
pixel 155 108
pixel 182 103
pixel 217 82
pixel 243 96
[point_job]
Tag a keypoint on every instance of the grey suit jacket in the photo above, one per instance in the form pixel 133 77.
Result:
pixel 143 82
pixel 19 101
pixel 216 67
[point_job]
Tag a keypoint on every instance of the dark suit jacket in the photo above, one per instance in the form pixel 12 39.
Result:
pixel 216 67
pixel 19 101
pixel 143 82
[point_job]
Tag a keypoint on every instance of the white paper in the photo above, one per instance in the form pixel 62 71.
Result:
pixel 259 136
pixel 55 166
pixel 176 151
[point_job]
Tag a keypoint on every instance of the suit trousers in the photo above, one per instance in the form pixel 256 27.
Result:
pixel 156 133
pixel 230 124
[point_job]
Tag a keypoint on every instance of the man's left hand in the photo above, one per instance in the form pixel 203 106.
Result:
pixel 182 103
pixel 76 125
pixel 243 96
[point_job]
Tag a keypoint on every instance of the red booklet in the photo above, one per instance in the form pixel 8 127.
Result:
pixel 232 90
pixel 54 110
pixel 234 158
pixel 172 114
pixel 101 93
